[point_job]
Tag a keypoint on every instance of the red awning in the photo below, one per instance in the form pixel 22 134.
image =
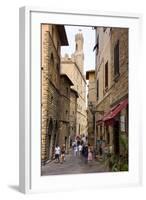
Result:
pixel 99 122
pixel 115 110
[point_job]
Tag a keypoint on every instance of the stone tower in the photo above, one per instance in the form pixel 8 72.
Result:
pixel 79 55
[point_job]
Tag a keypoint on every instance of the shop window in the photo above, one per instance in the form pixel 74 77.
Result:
pixel 108 135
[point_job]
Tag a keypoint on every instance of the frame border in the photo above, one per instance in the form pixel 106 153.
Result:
pixel 25 86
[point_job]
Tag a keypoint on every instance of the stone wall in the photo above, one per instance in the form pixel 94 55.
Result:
pixel 64 112
pixel 73 114
pixel 50 79
pixel 120 84
pixel 69 67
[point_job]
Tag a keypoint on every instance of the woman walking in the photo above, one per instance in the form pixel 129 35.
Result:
pixel 62 153
pixel 90 155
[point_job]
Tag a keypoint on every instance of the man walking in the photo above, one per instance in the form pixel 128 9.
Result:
pixel 57 153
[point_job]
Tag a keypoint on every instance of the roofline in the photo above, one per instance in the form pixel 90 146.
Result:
pixel 65 75
pixel 62 34
pixel 89 72
pixel 73 90
pixel 70 61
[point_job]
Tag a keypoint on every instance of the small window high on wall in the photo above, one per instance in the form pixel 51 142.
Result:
pixel 97 89
pixel 116 59
pixel 106 75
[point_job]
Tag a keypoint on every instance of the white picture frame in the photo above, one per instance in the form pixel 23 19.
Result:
pixel 30 161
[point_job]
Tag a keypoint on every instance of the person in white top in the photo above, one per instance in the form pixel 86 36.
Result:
pixel 57 153
pixel 80 149
pixel 75 150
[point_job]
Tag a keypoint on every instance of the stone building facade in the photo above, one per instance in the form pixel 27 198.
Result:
pixel 52 37
pixel 111 87
pixel 73 114
pixel 103 81
pixel 64 112
pixel 91 100
pixel 119 73
pixel 74 66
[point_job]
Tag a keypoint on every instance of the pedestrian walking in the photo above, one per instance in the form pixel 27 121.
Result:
pixel 100 150
pixel 90 155
pixel 57 153
pixel 86 153
pixel 62 153
pixel 75 150
pixel 80 149
pixel 73 144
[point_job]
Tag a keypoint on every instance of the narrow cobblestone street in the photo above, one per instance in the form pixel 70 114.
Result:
pixel 73 165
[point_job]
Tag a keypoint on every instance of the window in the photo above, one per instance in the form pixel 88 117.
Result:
pixel 52 60
pixel 106 75
pixel 51 99
pixel 97 89
pixel 116 59
pixel 67 90
pixel 104 29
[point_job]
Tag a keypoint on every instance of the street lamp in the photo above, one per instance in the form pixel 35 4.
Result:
pixel 93 110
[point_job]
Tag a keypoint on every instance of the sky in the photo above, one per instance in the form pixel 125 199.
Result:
pixel 89 43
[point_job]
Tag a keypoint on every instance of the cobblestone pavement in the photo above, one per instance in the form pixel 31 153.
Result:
pixel 73 165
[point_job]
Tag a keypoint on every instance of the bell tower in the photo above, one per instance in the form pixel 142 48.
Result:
pixel 79 55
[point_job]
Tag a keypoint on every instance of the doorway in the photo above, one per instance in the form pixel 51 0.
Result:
pixel 116 137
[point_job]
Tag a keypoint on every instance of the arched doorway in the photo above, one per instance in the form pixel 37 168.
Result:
pixel 49 138
pixel 54 137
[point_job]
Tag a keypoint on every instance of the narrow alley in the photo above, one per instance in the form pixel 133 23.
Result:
pixel 73 165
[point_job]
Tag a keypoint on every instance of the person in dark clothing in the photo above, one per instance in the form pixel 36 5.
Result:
pixel 100 151
pixel 86 154
pixel 78 142
pixel 83 150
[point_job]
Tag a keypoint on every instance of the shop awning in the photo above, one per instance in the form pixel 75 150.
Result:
pixel 99 122
pixel 115 110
